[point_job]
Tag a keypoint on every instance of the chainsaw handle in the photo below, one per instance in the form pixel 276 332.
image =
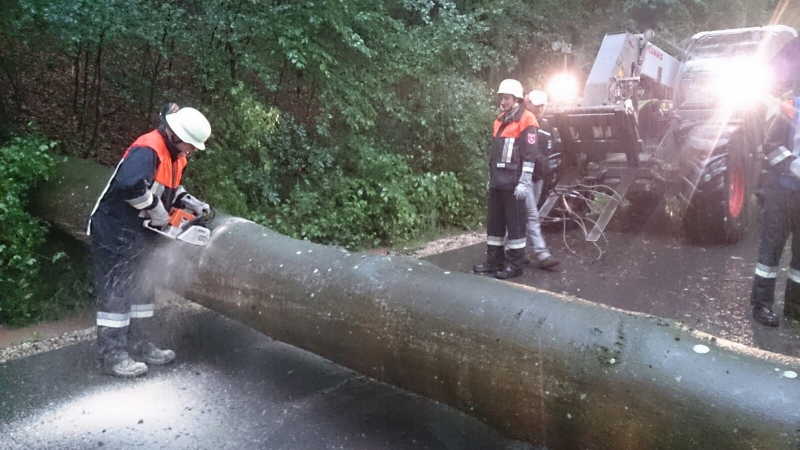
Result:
pixel 205 218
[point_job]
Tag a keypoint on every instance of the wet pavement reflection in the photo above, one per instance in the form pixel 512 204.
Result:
pixel 230 388
pixel 646 265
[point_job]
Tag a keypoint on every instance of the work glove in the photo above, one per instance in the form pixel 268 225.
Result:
pixel 198 207
pixel 158 215
pixel 524 187
pixel 794 168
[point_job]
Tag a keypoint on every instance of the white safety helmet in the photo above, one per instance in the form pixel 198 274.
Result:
pixel 511 87
pixel 191 126
pixel 538 98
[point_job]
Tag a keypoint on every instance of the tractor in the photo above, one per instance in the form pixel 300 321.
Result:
pixel 649 125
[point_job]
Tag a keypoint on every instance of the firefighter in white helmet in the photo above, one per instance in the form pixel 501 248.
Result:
pixel 145 185
pixel 511 165
pixel 536 103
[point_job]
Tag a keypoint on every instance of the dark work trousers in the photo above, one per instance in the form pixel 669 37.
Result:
pixel 506 215
pixel 781 219
pixel 124 298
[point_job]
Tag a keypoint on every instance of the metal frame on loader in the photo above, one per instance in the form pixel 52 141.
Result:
pixel 649 126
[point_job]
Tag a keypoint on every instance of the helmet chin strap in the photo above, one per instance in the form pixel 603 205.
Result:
pixel 510 111
pixel 171 140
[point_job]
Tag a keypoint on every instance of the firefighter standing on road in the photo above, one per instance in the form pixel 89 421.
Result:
pixel 781 197
pixel 781 218
pixel 145 185
pixel 536 102
pixel 511 167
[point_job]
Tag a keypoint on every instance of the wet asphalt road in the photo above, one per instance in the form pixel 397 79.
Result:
pixel 230 388
pixel 646 265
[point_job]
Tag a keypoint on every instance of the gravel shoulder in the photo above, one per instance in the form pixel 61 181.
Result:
pixel 449 243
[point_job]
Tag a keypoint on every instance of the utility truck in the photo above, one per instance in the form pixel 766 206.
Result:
pixel 649 126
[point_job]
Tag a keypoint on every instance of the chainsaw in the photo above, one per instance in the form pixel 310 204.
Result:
pixel 185 226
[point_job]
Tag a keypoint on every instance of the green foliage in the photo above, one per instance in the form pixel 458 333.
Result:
pixel 42 272
pixel 383 201
pixel 23 163
pixel 355 196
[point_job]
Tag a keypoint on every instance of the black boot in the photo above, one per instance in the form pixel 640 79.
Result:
pixel 150 354
pixel 548 263
pixel 507 273
pixel 486 268
pixel 143 350
pixel 120 364
pixel 765 316
pixel 112 343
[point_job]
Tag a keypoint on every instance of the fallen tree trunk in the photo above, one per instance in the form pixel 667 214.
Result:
pixel 552 370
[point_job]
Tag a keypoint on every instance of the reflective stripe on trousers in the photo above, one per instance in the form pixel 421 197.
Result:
pixel 506 215
pixel 781 220
pixel 120 320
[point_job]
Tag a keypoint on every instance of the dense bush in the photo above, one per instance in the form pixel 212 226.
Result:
pixel 263 166
pixel 23 163
pixel 382 202
pixel 42 273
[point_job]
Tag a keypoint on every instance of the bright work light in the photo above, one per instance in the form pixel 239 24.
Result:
pixel 563 88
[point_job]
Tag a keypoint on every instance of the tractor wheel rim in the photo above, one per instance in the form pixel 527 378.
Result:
pixel 737 190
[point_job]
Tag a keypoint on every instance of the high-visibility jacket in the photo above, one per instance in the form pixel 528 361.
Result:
pixel 146 174
pixel 513 149
pixel 169 170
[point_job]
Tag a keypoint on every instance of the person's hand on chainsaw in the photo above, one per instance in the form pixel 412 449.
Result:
pixel 193 204
pixel 158 215
pixel 525 186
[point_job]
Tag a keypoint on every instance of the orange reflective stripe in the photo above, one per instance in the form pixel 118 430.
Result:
pixel 164 173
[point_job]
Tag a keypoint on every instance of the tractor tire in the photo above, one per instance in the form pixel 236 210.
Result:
pixel 718 213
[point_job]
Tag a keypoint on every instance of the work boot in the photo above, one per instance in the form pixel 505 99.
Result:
pixel 507 273
pixel 525 261
pixel 765 316
pixel 485 268
pixel 548 263
pixel 120 364
pixel 152 355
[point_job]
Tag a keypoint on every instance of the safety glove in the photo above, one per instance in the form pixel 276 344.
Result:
pixel 193 204
pixel 158 215
pixel 524 186
pixel 794 168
